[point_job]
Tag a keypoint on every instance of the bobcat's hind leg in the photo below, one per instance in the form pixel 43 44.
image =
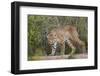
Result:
pixel 82 44
pixel 72 47
pixel 63 49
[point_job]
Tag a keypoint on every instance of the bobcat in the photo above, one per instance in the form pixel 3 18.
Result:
pixel 64 34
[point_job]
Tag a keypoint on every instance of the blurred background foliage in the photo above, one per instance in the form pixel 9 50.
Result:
pixel 40 25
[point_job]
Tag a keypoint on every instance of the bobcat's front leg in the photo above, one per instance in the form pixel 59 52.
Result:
pixel 54 46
